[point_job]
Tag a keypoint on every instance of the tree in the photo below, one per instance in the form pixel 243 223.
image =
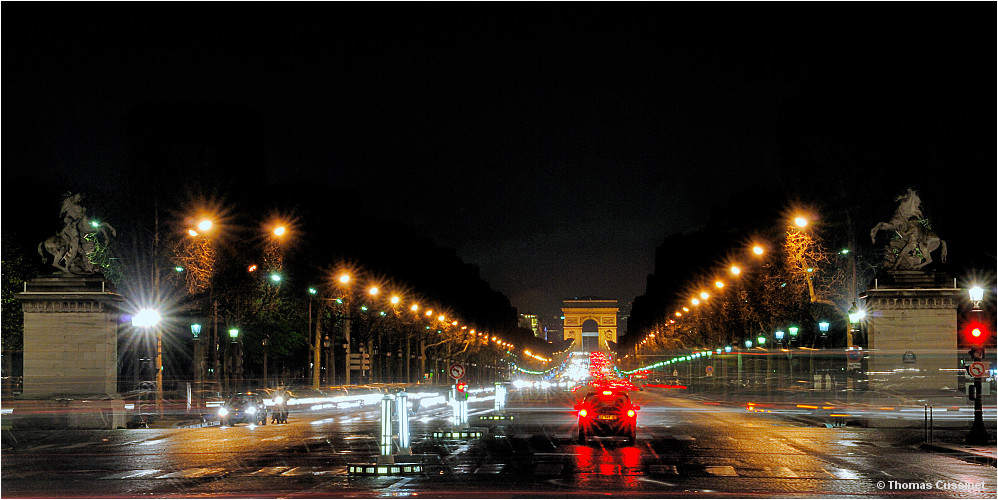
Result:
pixel 15 271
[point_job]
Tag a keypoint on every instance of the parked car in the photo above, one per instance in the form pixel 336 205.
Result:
pixel 246 407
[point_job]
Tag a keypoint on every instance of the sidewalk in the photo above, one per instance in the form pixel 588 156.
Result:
pixel 950 442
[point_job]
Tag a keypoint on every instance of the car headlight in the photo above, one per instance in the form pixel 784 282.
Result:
pixel 278 400
pixel 251 410
pixel 222 412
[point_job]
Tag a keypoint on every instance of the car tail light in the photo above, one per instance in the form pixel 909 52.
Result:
pixel 583 413
pixel 630 413
pixel 607 393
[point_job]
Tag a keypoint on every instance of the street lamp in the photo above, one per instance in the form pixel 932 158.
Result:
pixel 977 434
pixel 779 335
pixel 198 355
pixel 150 318
pixel 344 281
pixel 976 296
pixel 855 316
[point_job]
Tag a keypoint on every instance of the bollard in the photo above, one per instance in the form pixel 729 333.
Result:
pixel 401 403
pixel 386 425
pixel 455 407
pixel 463 412
pixel 500 397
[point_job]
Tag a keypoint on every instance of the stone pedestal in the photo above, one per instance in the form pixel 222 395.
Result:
pixel 912 332
pixel 70 337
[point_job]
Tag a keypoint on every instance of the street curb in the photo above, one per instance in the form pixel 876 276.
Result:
pixel 195 424
pixel 964 455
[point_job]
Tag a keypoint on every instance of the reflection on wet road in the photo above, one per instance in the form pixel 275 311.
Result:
pixel 684 448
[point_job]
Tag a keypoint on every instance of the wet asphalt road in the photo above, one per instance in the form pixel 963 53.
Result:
pixel 685 448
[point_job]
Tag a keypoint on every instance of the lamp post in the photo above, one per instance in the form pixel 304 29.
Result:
pixel 198 356
pixel 977 434
pixel 345 281
pixel 264 343
pixel 237 357
pixel 149 318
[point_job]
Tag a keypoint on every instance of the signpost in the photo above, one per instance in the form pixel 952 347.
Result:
pixel 854 355
pixel 976 369
pixel 456 371
pixel 710 371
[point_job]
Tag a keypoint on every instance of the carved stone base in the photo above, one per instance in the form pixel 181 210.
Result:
pixel 912 332
pixel 70 337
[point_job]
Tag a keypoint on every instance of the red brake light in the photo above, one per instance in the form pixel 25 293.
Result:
pixel 630 413
pixel 583 412
pixel 976 332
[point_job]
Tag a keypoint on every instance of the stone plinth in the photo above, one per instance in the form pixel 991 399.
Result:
pixel 912 332
pixel 70 337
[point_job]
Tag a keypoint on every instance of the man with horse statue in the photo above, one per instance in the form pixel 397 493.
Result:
pixel 913 241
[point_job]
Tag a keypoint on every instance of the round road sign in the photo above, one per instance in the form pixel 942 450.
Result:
pixel 854 353
pixel 976 369
pixel 456 370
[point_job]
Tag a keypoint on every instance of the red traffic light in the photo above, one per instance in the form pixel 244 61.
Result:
pixel 977 333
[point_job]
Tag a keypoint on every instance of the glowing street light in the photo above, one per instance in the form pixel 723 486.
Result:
pixel 373 290
pixel 395 299
pixel 344 278
pixel 800 222
pixel 695 301
pixel 279 231
pixel 704 295
pixel 976 296
pixel 735 270
pixel 149 318
pixel 758 250
pixel 719 284
pixel 146 318
pixel 204 225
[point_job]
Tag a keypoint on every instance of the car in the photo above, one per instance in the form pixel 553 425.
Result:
pixel 246 407
pixel 607 413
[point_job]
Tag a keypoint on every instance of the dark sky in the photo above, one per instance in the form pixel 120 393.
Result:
pixel 553 145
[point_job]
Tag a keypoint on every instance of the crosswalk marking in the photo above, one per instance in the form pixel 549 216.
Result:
pixel 541 469
pixel 269 471
pixel 721 470
pixel 133 474
pixel 195 472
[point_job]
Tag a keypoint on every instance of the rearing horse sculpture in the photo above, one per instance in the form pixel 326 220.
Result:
pixel 915 243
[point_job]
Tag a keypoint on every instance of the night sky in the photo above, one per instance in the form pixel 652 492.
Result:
pixel 552 145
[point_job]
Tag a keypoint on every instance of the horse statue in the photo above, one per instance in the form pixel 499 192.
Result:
pixel 912 247
pixel 70 248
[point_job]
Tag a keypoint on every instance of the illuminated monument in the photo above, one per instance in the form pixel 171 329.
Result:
pixel 591 322
pixel 911 310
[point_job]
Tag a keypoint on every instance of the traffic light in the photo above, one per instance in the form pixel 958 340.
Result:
pixel 976 336
pixel 462 390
